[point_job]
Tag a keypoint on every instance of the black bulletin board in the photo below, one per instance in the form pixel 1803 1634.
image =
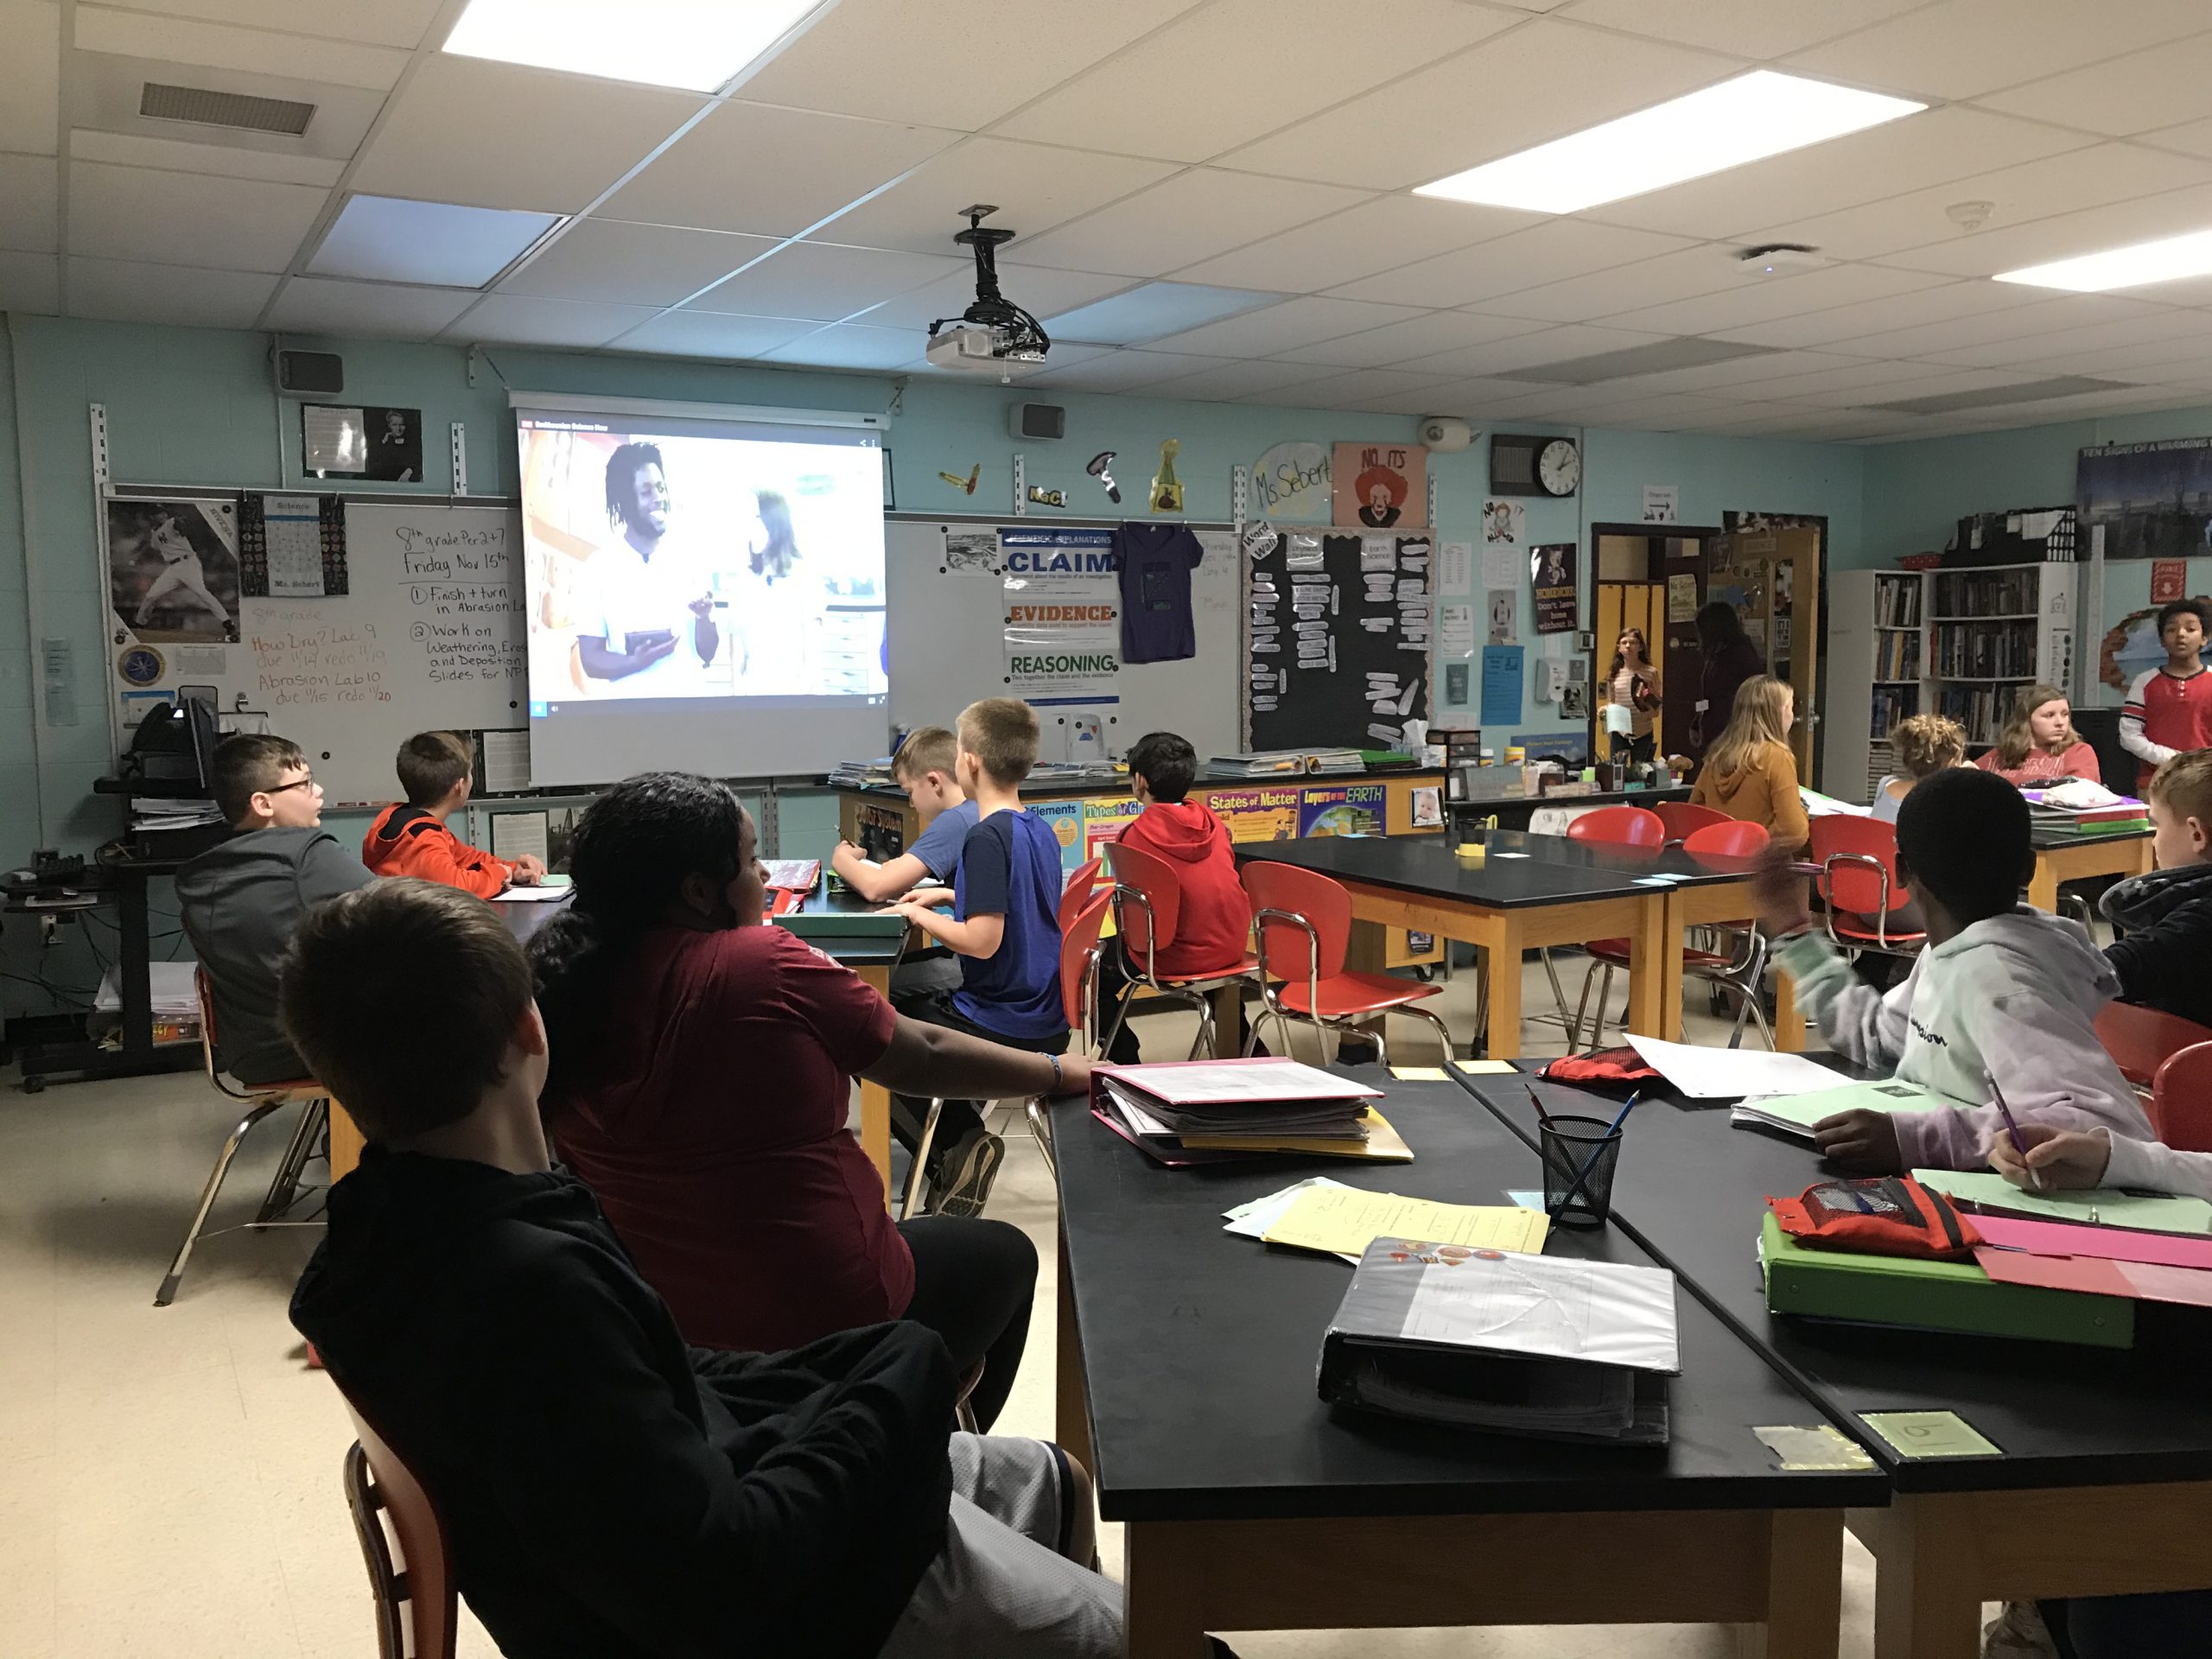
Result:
pixel 1338 640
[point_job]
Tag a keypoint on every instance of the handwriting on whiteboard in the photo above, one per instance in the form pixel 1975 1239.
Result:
pixel 302 661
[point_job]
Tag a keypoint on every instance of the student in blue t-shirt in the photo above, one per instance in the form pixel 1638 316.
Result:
pixel 1004 929
pixel 925 767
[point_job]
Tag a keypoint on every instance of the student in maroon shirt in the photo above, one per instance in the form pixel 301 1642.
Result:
pixel 702 1071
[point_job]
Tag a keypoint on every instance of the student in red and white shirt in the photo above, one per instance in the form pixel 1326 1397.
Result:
pixel 2168 709
pixel 2039 747
pixel 410 837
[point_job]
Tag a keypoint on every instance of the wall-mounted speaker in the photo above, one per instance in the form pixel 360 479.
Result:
pixel 311 374
pixel 1045 421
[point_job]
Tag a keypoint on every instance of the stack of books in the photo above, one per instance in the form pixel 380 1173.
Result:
pixel 1264 763
pixel 1336 760
pixel 1219 1109
pixel 2050 814
pixel 862 774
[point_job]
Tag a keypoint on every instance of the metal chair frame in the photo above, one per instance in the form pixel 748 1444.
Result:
pixel 1193 993
pixel 1881 943
pixel 1272 1004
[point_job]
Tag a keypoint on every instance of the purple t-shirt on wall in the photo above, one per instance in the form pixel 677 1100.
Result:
pixel 1156 564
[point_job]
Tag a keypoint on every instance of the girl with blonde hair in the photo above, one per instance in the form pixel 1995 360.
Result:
pixel 1921 746
pixel 1749 772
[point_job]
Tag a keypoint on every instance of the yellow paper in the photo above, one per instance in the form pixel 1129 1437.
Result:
pixel 1384 1144
pixel 1930 1433
pixel 1485 1068
pixel 1420 1074
pixel 1343 1221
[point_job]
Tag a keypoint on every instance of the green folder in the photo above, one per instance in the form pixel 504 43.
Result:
pixel 1797 1114
pixel 2104 1205
pixel 1932 1296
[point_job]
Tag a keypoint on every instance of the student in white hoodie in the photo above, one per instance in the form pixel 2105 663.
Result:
pixel 2002 992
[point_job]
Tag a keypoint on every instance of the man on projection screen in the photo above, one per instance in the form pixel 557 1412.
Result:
pixel 647 628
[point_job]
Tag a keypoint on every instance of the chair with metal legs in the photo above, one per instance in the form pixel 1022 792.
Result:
pixel 1611 826
pixel 1305 926
pixel 260 1100
pixel 1147 909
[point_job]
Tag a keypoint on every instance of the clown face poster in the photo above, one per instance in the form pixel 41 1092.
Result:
pixel 1381 486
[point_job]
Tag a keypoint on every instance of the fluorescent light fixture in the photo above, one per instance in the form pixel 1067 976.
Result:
pixel 434 244
pixel 2146 262
pixel 1746 119
pixel 696 45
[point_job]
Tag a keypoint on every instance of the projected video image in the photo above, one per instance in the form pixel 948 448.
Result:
pixel 717 561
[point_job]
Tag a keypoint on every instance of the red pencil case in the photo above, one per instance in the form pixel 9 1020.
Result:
pixel 1890 1214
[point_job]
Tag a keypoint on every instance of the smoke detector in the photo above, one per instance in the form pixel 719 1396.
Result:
pixel 1778 259
pixel 1970 215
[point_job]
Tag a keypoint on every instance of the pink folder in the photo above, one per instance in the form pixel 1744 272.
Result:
pixel 2141 1281
pixel 2109 1243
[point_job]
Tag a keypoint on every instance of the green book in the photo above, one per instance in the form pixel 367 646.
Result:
pixel 1797 1114
pixel 844 923
pixel 2149 1212
pixel 1932 1296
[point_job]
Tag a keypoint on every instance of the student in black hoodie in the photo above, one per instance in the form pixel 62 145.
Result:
pixel 241 900
pixel 606 1491
pixel 2164 953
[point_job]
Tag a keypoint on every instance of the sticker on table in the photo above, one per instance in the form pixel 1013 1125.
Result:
pixel 1930 1434
pixel 1818 1446
pixel 1487 1068
pixel 1522 1198
pixel 1420 1074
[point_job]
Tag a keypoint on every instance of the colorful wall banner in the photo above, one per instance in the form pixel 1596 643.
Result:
pixel 1103 822
pixel 1551 579
pixel 1267 812
pixel 1341 809
pixel 1063 608
pixel 1064 820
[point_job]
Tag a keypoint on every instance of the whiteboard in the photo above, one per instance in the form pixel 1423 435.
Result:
pixel 948 644
pixel 430 636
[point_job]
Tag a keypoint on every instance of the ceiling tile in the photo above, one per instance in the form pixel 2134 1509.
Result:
pixel 376 310
pixel 713 177
pixel 706 334
pixel 1525 87
pixel 30 76
pixel 120 291
pixel 1919 152
pixel 245 51
pixel 1034 187
pixel 1166 95
pixel 1898 311
pixel 1912 385
pixel 633 265
pixel 2089 229
pixel 1231 381
pixel 2142 365
pixel 1677 275
pixel 1189 217
pixel 29 203
pixel 2123 95
pixel 1405 344
pixel 2178 333
pixel 522 320
pixel 2030 191
pixel 1751 29
pixel 389 22
pixel 498 135
pixel 2193 136
pixel 179 156
pixel 1469 399
pixel 1375 236
pixel 2053 316
pixel 1501 357
pixel 1123 371
pixel 1961 48
pixel 1286 327
pixel 432 244
pixel 1761 299
pixel 1040 292
pixel 816 279
pixel 1548 252
pixel 184 219
pixel 1805 373
pixel 896 61
pixel 1359 385
pixel 1151 311
pixel 853 346
pixel 30 283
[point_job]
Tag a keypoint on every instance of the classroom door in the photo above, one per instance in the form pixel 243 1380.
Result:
pixel 1627 605
pixel 1773 578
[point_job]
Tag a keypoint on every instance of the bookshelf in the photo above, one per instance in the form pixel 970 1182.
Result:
pixel 1878 657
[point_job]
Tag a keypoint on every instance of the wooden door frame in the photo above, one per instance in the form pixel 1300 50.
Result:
pixel 1816 748
pixel 1699 533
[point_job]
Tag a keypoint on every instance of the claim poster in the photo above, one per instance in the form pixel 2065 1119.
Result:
pixel 1341 809
pixel 1063 608
pixel 1264 813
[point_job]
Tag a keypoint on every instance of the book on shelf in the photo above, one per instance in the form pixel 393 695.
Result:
pixel 1987 594
pixel 1897 602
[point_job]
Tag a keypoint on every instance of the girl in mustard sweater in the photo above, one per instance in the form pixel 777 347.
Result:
pixel 1749 771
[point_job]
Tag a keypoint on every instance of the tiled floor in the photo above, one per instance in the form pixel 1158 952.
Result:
pixel 168 1477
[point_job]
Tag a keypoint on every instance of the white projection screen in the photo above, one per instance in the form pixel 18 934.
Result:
pixel 704 587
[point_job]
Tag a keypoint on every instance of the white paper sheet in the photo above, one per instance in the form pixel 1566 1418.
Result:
pixel 1455 568
pixel 1724 1073
pixel 506 762
pixel 514 834
pixel 1503 565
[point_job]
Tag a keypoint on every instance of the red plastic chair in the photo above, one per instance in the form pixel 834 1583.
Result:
pixel 2141 1040
pixel 1858 883
pixel 1741 969
pixel 414 1591
pixel 1147 908
pixel 1682 820
pixel 1620 826
pixel 1079 952
pixel 1305 924
pixel 1077 893
pixel 2181 1099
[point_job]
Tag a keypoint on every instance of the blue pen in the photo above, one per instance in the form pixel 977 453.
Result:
pixel 1591 1162
pixel 2012 1130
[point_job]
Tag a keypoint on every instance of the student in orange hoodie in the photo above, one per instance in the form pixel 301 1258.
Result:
pixel 410 837
pixel 1214 929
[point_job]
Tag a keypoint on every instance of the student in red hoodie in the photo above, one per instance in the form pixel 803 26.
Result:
pixel 410 837
pixel 1214 929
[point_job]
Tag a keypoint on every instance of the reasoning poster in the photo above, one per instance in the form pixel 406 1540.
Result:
pixel 1063 615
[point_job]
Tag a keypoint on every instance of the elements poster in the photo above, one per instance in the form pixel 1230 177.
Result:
pixel 1551 580
pixel 1381 486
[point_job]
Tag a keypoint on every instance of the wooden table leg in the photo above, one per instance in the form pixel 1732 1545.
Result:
pixel 1163 1595
pixel 2043 888
pixel 1805 1596
pixel 1229 1022
pixel 1502 948
pixel 1655 967
pixel 876 1099
pixel 1925 1607
pixel 1789 1019
pixel 346 1143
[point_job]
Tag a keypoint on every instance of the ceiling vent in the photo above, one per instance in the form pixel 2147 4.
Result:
pixel 158 101
pixel 2031 391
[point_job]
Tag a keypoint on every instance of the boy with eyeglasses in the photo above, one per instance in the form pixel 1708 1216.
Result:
pixel 242 901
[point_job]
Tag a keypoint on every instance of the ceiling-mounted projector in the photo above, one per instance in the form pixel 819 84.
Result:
pixel 994 335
